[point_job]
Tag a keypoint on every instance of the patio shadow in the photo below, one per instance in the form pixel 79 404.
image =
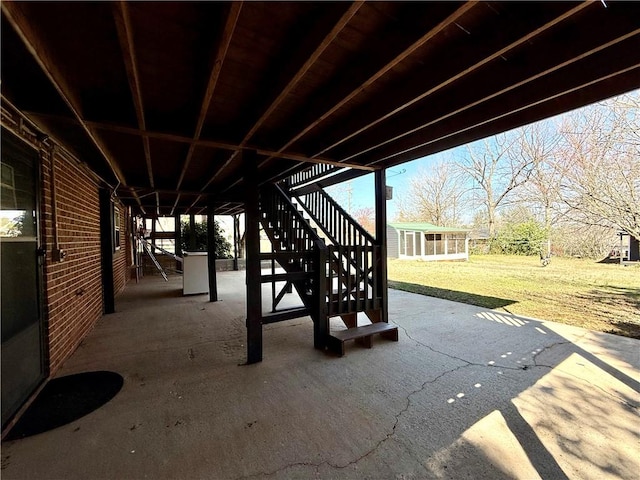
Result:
pixel 453 295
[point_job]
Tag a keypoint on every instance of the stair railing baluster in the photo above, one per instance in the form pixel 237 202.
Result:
pixel 353 259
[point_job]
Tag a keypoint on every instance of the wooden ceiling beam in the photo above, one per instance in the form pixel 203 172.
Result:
pixel 625 81
pixel 409 153
pixel 450 20
pixel 40 52
pixel 223 47
pixel 125 37
pixel 170 137
pixel 326 41
pixel 467 71
pixel 311 60
pixel 494 95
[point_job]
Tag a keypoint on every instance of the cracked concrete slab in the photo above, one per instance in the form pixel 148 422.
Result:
pixel 465 393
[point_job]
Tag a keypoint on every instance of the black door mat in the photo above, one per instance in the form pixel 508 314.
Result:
pixel 66 399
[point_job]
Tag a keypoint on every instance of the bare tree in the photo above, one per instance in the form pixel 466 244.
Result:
pixel 435 195
pixel 366 217
pixel 497 168
pixel 538 145
pixel 600 164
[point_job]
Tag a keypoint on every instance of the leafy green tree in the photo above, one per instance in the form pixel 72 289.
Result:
pixel 222 246
pixel 526 238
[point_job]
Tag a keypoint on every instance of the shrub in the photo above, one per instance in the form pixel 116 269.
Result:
pixel 526 238
pixel 223 247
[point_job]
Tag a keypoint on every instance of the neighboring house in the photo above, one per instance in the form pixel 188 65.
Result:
pixel 425 241
pixel 479 240
pixel 629 247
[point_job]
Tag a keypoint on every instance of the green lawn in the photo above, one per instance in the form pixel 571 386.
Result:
pixel 598 296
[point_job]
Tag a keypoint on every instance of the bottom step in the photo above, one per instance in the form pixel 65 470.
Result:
pixel 336 339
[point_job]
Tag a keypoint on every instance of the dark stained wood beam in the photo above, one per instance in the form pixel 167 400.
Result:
pixel 146 191
pixel 40 52
pixel 467 71
pixel 211 249
pixel 472 132
pixel 223 47
pixel 311 60
pixel 38 49
pixel 225 41
pixel 252 239
pixel 125 37
pixel 170 137
pixel 328 40
pixel 450 20
pixel 381 240
pixel 511 87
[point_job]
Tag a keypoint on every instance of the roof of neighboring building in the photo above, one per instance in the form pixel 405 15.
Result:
pixel 425 227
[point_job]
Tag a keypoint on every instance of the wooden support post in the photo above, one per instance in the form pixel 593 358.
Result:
pixel 236 239
pixel 321 325
pixel 252 242
pixel 106 247
pixel 153 233
pixel 211 249
pixel 192 233
pixel 381 239
pixel 178 239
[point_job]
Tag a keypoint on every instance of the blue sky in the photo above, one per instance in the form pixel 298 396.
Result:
pixel 362 188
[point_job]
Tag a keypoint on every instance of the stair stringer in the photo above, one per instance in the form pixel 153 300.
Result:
pixel 291 235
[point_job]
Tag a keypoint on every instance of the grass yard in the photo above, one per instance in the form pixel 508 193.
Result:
pixel 584 293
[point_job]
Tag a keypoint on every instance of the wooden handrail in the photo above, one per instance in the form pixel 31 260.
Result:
pixel 301 252
pixel 322 207
pixel 311 174
pixel 352 257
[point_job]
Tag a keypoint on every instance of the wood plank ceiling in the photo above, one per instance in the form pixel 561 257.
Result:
pixel 159 98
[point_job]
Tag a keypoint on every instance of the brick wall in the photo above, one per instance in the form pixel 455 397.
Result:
pixel 72 300
pixel 121 260
pixel 74 286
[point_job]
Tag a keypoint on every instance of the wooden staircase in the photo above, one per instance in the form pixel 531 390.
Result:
pixel 336 273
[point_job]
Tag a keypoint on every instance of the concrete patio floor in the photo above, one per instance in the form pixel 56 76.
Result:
pixel 465 393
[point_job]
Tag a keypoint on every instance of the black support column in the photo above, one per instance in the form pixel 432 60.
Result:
pixel 236 239
pixel 178 239
pixel 252 239
pixel 211 248
pixel 192 233
pixel 106 247
pixel 381 239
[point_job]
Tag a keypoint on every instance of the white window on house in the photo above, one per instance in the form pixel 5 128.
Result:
pixel 403 250
pixel 456 243
pixel 439 244
pixel 434 244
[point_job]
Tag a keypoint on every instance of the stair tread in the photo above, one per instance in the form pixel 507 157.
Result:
pixel 363 331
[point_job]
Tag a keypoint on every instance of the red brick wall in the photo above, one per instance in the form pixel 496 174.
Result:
pixel 72 300
pixel 73 286
pixel 120 257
